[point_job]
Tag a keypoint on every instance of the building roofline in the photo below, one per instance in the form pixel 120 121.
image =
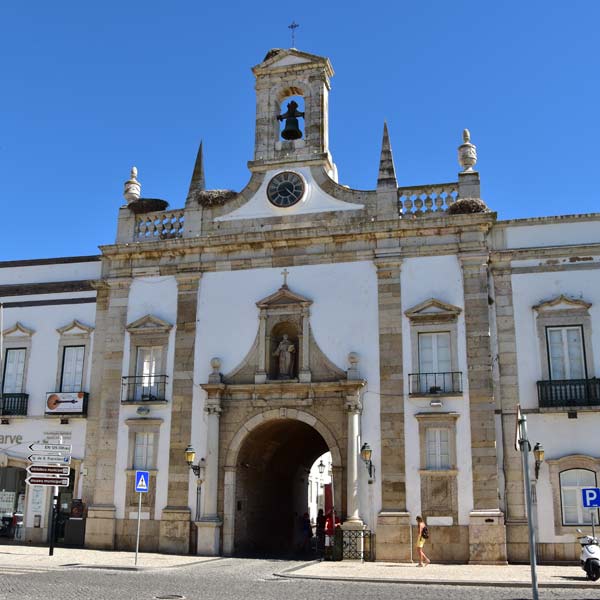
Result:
pixel 61 260
pixel 548 220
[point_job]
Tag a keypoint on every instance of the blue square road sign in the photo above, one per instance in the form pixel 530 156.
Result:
pixel 142 479
pixel 591 497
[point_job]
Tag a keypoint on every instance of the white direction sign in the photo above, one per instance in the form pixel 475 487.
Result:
pixel 48 459
pixel 51 448
pixel 48 470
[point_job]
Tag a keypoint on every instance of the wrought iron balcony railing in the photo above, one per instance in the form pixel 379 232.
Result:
pixel 425 384
pixel 13 404
pixel 565 393
pixel 144 388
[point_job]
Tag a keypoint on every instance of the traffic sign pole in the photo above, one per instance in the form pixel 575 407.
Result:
pixel 137 540
pixel 142 481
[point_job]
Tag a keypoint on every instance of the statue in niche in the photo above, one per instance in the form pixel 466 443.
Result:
pixel 285 351
pixel 291 130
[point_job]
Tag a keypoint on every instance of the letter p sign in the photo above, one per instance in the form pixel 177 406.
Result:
pixel 591 497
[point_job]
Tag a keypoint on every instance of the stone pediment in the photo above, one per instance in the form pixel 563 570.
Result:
pixel 280 57
pixel 75 327
pixel 562 302
pixel 18 330
pixel 433 310
pixel 149 324
pixel 283 297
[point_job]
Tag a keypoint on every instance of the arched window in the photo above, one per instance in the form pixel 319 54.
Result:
pixel 571 484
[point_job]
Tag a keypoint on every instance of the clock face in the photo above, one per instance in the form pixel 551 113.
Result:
pixel 285 189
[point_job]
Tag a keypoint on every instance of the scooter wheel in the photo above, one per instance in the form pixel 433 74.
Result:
pixel 594 572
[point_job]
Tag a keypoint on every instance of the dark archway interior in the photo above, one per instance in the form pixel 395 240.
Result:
pixel 271 490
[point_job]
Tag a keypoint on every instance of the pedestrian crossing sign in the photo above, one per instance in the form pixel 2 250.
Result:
pixel 141 481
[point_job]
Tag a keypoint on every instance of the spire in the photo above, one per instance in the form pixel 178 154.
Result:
pixel 387 172
pixel 132 187
pixel 197 183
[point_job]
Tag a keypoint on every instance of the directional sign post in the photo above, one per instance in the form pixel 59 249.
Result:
pixel 142 478
pixel 50 470
pixel 50 459
pixel 48 481
pixel 51 448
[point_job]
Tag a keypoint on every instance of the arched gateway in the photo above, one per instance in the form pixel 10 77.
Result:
pixel 268 420
pixel 266 469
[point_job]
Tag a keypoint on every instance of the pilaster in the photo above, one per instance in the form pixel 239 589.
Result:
pixel 353 409
pixel 174 533
pixel 487 534
pixel 103 415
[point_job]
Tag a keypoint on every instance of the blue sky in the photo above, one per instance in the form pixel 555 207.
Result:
pixel 89 89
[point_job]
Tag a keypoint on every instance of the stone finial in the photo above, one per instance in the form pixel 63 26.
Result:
pixel 353 360
pixel 387 171
pixel 467 153
pixel 133 187
pixel 215 376
pixel 198 181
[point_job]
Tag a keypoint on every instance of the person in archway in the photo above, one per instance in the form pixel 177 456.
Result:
pixel 321 520
pixel 307 533
pixel 423 535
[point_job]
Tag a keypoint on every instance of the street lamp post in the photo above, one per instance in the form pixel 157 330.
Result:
pixel 366 453
pixel 198 470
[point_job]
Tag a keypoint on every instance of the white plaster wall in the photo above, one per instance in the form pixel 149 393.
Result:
pixel 344 319
pixel 437 277
pixel 552 234
pixel 50 272
pixel 559 435
pixel 530 289
pixel 156 296
pixel 315 200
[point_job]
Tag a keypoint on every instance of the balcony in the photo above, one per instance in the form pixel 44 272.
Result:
pixel 13 404
pixel 435 384
pixel 569 393
pixel 144 389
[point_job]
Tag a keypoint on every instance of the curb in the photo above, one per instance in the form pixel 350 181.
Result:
pixel 287 574
pixel 141 567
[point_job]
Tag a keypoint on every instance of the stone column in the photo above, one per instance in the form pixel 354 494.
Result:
pixel 393 522
pixel 261 375
pixel 209 526
pixel 487 533
pixel 353 408
pixel 174 533
pixel 508 398
pixel 304 370
pixel 103 414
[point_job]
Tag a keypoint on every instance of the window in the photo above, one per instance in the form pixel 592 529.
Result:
pixel 565 352
pixel 438 448
pixel 149 361
pixel 143 455
pixel 14 371
pixel 571 484
pixel 435 359
pixel 72 369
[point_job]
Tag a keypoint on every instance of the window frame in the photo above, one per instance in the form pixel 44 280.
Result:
pixel 547 329
pixel 23 374
pixel 62 369
pixel 74 333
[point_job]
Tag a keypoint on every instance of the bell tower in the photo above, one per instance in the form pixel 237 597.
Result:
pixel 288 133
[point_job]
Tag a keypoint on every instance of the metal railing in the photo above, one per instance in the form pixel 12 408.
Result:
pixel 144 388
pixel 13 404
pixel 353 544
pixel 435 383
pixel 562 393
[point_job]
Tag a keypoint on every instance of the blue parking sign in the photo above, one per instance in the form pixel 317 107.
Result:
pixel 591 497
pixel 142 478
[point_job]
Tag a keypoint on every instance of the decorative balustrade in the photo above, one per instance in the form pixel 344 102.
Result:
pixel 417 201
pixel 565 393
pixel 164 225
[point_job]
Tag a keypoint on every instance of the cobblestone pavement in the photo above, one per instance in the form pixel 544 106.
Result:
pixel 243 579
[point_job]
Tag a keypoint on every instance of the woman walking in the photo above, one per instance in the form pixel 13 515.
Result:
pixel 423 535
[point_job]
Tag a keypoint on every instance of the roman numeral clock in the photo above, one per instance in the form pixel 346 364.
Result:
pixel 285 189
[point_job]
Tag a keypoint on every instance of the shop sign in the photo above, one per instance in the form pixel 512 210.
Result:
pixel 58 403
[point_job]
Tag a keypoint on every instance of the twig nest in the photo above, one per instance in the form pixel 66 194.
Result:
pixel 466 206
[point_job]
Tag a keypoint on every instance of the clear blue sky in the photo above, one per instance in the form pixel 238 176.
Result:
pixel 89 89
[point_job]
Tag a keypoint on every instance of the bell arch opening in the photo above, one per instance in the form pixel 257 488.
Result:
pixel 291 105
pixel 272 476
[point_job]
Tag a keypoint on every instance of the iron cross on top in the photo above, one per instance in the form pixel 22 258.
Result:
pixel 293 26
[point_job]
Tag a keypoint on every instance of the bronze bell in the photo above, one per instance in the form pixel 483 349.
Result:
pixel 291 130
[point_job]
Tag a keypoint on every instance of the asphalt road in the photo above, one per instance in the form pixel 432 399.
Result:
pixel 234 579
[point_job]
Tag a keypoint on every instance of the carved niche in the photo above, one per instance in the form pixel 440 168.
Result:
pixel 284 348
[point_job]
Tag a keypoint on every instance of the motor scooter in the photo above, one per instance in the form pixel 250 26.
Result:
pixel 590 555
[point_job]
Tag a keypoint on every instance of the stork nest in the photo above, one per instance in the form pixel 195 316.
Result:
pixel 209 198
pixel 146 205
pixel 467 206
pixel 271 53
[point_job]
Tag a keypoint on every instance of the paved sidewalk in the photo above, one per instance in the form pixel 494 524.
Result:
pixel 12 556
pixel 440 574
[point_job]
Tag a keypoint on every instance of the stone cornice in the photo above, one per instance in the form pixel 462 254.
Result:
pixel 271 389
